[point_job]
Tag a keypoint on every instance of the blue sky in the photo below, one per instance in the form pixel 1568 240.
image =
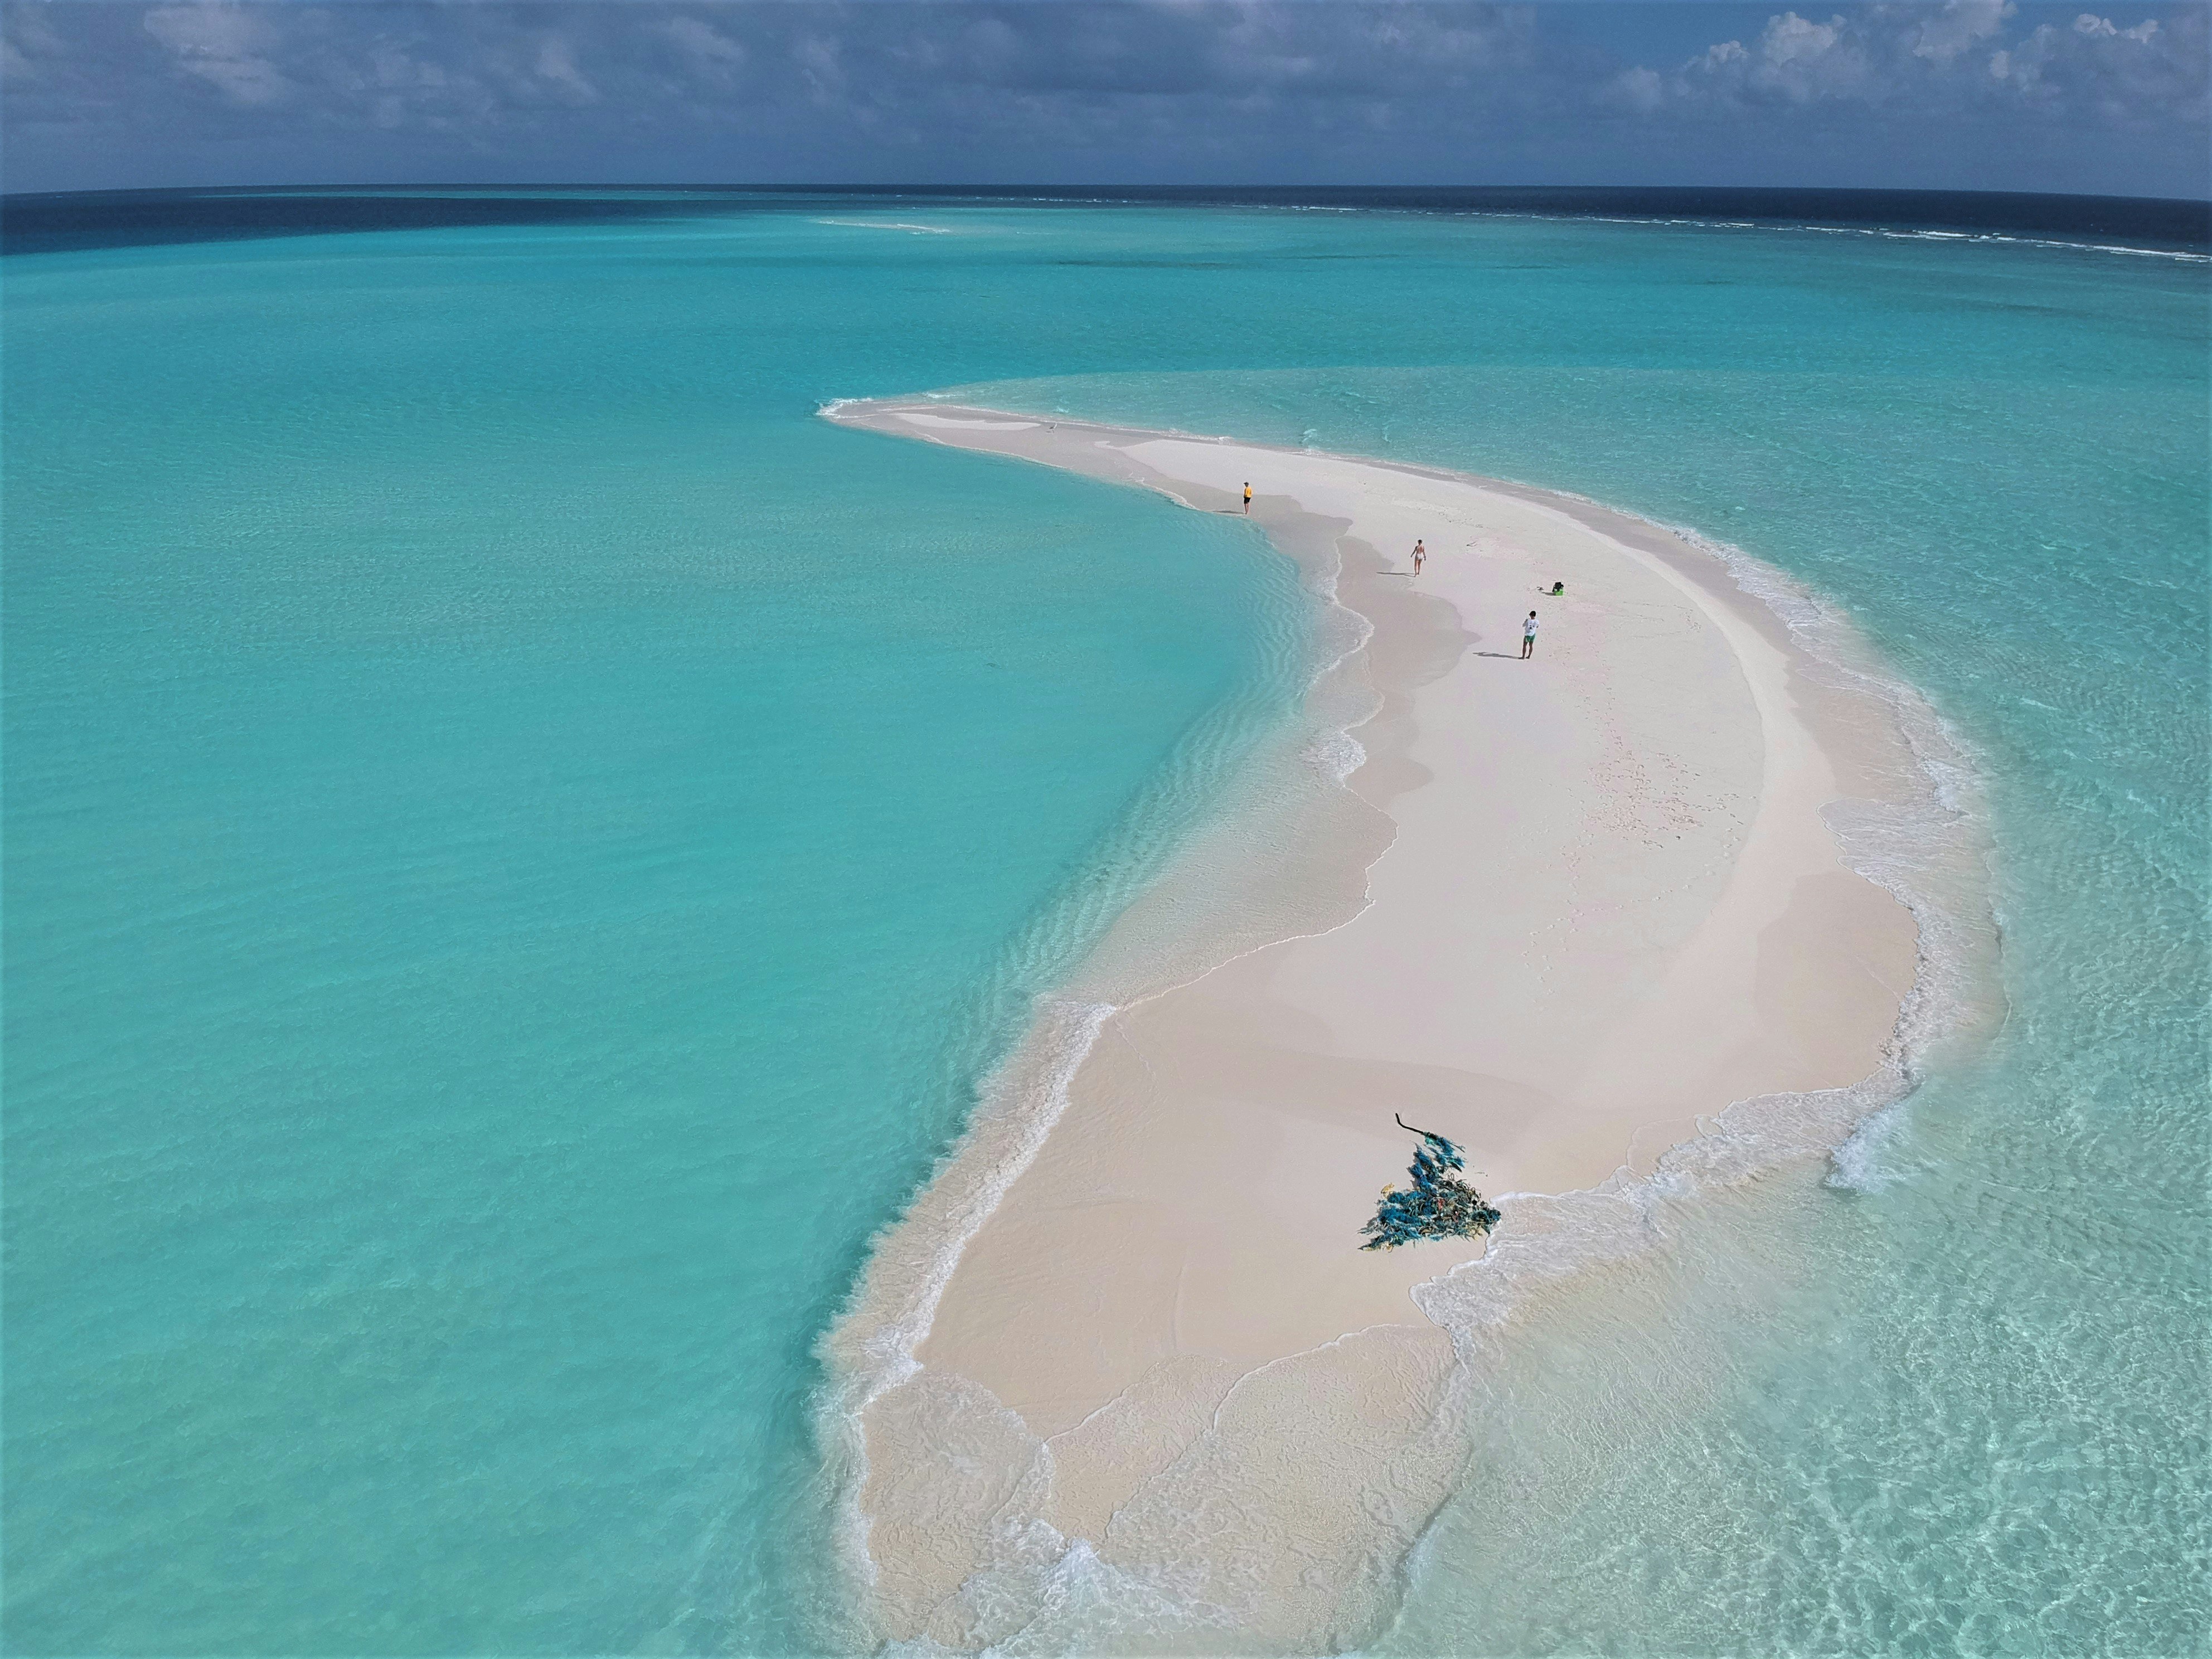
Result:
pixel 1953 94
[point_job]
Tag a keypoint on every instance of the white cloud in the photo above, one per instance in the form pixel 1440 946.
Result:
pixel 556 65
pixel 2119 77
pixel 707 47
pixel 1640 89
pixel 1796 59
pixel 2104 29
pixel 25 41
pixel 1219 89
pixel 1960 25
pixel 820 60
pixel 223 44
pixel 1924 59
pixel 1790 39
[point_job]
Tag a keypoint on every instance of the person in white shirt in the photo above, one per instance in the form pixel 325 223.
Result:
pixel 1528 637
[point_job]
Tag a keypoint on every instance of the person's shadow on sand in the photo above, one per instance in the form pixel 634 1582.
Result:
pixel 1502 656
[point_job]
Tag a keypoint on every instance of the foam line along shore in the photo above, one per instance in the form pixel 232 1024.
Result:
pixel 1567 910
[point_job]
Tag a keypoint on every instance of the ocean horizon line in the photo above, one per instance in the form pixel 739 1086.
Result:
pixel 68 220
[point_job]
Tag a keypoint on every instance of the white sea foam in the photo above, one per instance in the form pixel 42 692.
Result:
pixel 1863 1163
pixel 1028 1104
pixel 1338 754
pixel 872 1350
pixel 1018 1107
pixel 888 224
pixel 1928 848
pixel 1040 1594
pixel 1785 227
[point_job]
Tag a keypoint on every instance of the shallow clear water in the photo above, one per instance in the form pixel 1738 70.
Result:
pixel 520 841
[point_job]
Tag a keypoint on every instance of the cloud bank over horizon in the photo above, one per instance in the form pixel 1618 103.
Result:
pixel 1985 95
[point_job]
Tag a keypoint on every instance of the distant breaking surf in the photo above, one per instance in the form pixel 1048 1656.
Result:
pixel 888 224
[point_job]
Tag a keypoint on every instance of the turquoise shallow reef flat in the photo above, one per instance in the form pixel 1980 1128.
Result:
pixel 520 838
pixel 520 841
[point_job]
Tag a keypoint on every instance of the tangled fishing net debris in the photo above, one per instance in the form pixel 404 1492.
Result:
pixel 1438 1205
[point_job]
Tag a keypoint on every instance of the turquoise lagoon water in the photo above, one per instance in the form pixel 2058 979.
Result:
pixel 520 841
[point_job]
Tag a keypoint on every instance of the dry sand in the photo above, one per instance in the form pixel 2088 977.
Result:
pixel 1570 907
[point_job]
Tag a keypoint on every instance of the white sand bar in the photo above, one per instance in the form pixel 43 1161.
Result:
pixel 1601 904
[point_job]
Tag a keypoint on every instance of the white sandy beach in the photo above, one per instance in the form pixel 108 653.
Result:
pixel 1571 908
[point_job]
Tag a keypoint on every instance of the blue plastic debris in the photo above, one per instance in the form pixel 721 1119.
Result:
pixel 1438 1205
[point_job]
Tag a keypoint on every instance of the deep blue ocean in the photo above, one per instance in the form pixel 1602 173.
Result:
pixel 520 841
